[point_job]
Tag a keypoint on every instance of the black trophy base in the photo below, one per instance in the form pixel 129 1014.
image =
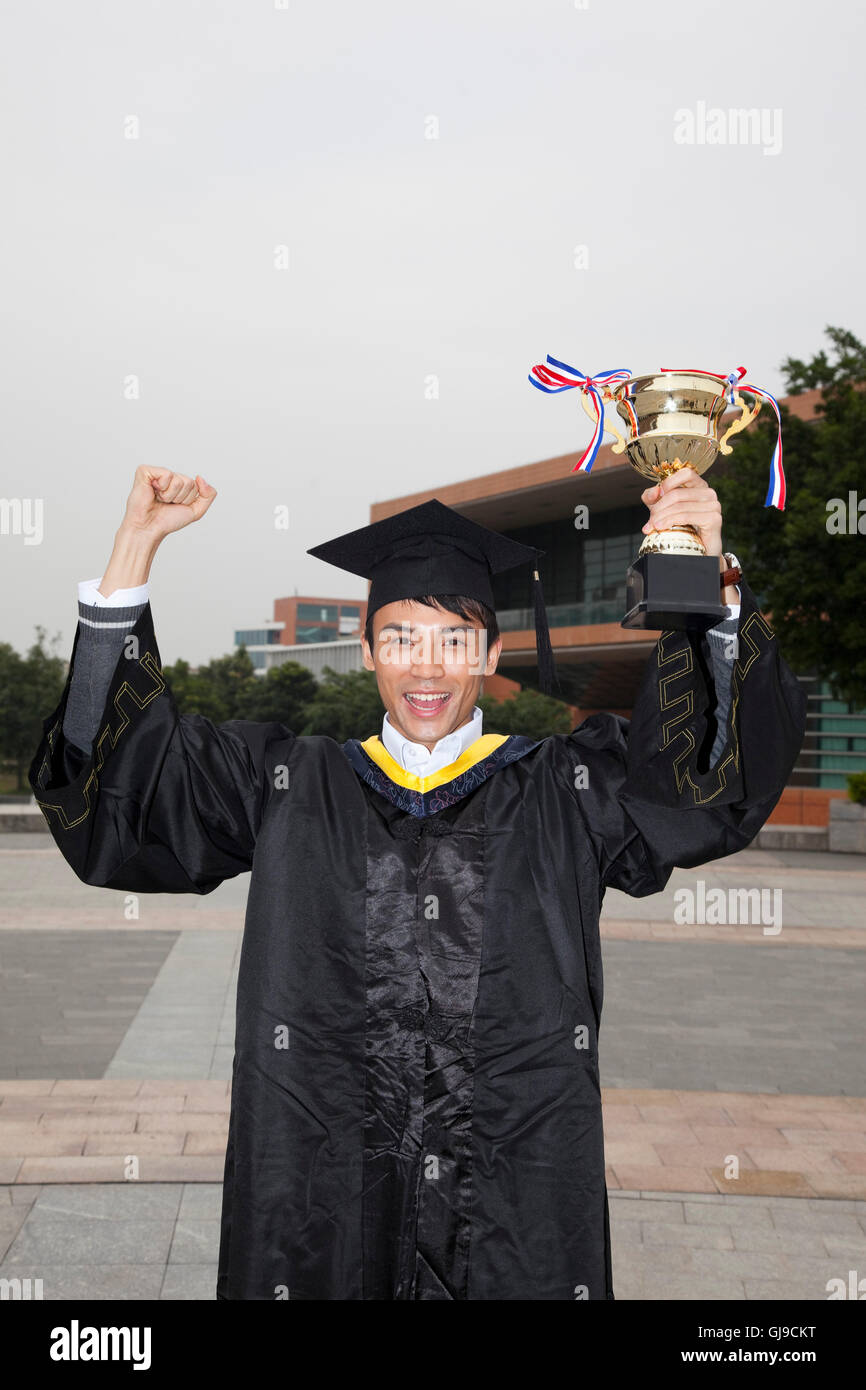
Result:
pixel 678 592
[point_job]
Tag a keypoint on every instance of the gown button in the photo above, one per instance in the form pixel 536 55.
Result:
pixel 435 826
pixel 437 1026
pixel 406 829
pixel 411 1019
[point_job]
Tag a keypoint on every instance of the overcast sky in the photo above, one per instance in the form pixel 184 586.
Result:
pixel 409 257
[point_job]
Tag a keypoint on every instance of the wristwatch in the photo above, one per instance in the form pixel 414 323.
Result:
pixel 733 574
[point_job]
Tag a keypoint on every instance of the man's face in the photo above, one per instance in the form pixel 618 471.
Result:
pixel 421 652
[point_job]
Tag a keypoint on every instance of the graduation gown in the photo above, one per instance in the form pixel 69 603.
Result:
pixel 416 1107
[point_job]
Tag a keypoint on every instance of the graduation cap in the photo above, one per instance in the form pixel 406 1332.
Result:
pixel 431 549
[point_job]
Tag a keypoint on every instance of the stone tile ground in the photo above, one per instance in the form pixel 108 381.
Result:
pixel 117 1040
pixel 161 1240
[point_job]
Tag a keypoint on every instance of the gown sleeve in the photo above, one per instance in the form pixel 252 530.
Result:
pixel 101 639
pixel 161 802
pixel 673 786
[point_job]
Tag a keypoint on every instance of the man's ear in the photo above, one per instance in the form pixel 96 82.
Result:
pixel 493 654
pixel 367 655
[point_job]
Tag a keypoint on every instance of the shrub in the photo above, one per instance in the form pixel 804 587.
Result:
pixel 857 787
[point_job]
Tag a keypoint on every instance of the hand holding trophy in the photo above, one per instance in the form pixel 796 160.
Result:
pixel 685 499
pixel 673 420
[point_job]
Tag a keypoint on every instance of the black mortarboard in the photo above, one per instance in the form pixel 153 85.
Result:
pixel 431 549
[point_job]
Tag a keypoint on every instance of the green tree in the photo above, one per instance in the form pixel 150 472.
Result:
pixel 528 713
pixel 346 705
pixel 849 365
pixel 221 690
pixel 232 678
pixel 228 688
pixel 808 575
pixel 30 687
pixel 283 694
pixel 194 693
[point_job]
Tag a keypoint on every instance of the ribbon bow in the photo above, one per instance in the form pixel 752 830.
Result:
pixel 733 379
pixel 564 378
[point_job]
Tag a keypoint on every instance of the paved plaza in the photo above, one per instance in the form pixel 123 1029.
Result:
pixel 731 1060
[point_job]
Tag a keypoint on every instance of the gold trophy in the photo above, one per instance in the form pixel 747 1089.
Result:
pixel 674 420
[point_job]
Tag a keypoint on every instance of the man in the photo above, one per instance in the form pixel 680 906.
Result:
pixel 416 1108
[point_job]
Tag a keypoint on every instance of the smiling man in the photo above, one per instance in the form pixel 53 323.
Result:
pixel 431 637
pixel 424 664
pixel 416 1103
pixel 431 666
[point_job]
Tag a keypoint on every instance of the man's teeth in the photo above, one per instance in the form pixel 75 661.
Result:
pixel 427 699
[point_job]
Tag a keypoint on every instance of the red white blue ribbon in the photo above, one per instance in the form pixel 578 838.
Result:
pixel 733 378
pixel 558 376
pixel 777 489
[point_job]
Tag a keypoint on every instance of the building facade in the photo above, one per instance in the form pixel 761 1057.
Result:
pixel 310 627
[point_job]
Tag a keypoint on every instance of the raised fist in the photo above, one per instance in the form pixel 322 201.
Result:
pixel 162 501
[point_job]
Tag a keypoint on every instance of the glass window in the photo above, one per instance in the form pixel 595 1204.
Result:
pixel 578 565
pixel 313 612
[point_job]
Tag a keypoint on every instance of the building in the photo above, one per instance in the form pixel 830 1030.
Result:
pixel 317 632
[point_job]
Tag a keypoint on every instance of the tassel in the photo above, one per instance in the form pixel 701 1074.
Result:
pixel 547 674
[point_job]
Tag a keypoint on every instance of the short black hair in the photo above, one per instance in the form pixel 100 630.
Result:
pixel 472 610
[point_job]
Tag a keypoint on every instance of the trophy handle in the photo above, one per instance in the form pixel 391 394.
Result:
pixel 747 416
pixel 617 448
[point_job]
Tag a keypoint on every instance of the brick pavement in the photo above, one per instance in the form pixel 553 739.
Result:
pixel 687 1246
pixel 709 1049
pixel 710 1016
pixel 87 1131
pixel 134 1241
pixel 185 1026
pixel 687 1014
pixel 827 937
pixel 68 998
pixel 681 1141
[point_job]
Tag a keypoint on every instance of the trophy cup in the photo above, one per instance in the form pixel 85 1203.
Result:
pixel 673 420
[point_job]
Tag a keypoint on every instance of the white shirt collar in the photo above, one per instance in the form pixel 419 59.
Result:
pixel 414 757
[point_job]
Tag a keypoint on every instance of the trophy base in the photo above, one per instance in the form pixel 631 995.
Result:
pixel 677 540
pixel 677 593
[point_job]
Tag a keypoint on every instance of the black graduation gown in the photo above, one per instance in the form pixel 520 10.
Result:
pixel 416 1108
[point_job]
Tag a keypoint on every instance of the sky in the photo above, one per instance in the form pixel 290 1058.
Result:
pixel 311 251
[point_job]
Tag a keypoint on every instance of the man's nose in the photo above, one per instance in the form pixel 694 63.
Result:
pixel 427 657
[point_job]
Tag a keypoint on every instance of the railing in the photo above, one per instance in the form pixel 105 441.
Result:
pixel 834 743
pixel 563 615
